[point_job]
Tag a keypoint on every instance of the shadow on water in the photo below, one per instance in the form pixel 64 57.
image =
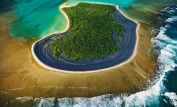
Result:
pixel 6 5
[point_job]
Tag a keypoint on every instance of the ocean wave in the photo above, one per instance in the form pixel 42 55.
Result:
pixel 172 97
pixel 155 96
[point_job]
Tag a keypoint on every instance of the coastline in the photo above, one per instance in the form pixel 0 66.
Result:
pixel 133 98
pixel 87 71
pixel 135 74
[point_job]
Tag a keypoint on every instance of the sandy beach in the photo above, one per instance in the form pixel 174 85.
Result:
pixel 108 60
pixel 21 76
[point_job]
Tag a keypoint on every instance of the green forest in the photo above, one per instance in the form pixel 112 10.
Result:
pixel 90 35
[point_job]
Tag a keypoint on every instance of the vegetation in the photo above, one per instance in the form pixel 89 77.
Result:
pixel 90 36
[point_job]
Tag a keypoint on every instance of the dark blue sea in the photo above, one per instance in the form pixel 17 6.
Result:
pixel 161 93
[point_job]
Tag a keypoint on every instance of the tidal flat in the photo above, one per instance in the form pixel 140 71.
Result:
pixel 20 75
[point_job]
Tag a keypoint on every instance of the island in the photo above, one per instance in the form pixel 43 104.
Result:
pixel 93 33
pixel 98 37
pixel 126 74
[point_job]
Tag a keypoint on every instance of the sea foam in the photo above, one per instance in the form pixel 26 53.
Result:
pixel 154 96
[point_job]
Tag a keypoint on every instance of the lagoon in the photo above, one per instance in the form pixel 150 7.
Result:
pixel 38 18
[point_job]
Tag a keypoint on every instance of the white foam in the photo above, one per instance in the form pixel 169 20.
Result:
pixel 172 97
pixel 44 102
pixel 171 19
pixel 143 98
pixel 166 48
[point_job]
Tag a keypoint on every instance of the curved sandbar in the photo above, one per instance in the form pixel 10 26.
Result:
pixel 44 58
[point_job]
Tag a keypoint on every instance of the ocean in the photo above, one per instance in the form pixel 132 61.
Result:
pixel 39 18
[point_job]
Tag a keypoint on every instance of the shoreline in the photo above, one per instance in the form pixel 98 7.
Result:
pixel 135 73
pixel 33 74
pixel 39 62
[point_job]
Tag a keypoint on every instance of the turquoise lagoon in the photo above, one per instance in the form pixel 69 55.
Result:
pixel 38 18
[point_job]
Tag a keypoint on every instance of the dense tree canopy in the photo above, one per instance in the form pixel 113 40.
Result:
pixel 93 33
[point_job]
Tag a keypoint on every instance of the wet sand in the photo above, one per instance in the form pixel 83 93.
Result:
pixel 21 76
pixel 127 51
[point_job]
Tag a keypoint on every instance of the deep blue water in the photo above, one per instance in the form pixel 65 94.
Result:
pixel 127 46
pixel 6 5
pixel 163 93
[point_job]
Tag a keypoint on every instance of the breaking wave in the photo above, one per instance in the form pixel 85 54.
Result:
pixel 161 94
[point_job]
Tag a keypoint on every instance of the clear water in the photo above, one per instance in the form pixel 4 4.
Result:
pixel 37 18
pixel 162 94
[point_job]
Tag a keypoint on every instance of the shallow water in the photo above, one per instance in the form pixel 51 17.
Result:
pixel 161 94
pixel 37 18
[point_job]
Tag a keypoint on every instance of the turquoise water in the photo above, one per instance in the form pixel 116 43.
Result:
pixel 37 18
pixel 163 92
